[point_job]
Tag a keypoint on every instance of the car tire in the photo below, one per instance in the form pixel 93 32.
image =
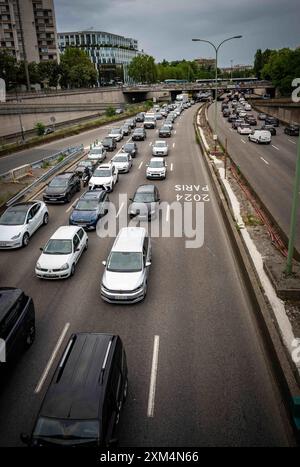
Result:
pixel 86 245
pixel 68 198
pixel 72 270
pixel 30 336
pixel 78 188
pixel 25 239
pixel 45 218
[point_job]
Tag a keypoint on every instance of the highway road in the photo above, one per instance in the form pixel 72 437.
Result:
pixel 270 169
pixel 214 384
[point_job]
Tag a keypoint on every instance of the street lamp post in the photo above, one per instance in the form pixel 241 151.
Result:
pixel 216 75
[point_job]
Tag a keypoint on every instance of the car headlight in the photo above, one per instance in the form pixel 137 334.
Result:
pixel 16 236
pixel 38 266
pixel 64 267
pixel 140 287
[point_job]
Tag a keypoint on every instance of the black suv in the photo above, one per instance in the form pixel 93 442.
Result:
pixel 17 324
pixel 292 130
pixel 84 399
pixel 139 134
pixel 272 121
pixel 62 187
pixel 109 144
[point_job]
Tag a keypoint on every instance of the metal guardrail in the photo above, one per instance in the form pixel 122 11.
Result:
pixel 72 153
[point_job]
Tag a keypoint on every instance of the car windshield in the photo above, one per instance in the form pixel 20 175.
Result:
pixel 139 130
pixel 107 141
pixel 58 182
pixel 143 198
pixel 120 159
pixel 156 164
pixel 102 173
pixel 85 164
pixel 87 205
pixel 13 217
pixel 124 262
pixel 129 147
pixel 96 151
pixel 66 429
pixel 160 144
pixel 115 131
pixel 58 247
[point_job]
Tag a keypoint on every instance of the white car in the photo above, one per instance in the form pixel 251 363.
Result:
pixel 97 153
pixel 247 107
pixel 116 133
pixel 242 113
pixel 244 129
pixel 260 136
pixel 156 168
pixel 61 253
pixel 169 124
pixel 19 222
pixel 105 176
pixel 160 148
pixel 122 161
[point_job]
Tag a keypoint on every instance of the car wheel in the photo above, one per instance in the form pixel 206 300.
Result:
pixel 25 239
pixel 146 288
pixel 68 197
pixel 72 270
pixel 78 187
pixel 30 336
pixel 45 218
pixel 86 245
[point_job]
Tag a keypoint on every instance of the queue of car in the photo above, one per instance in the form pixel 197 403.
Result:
pixel 98 400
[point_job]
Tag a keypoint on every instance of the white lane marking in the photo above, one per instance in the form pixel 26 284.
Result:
pixel 52 358
pixel 118 213
pixel 175 132
pixel 291 141
pixel 122 146
pixel 141 164
pixel 173 145
pixel 275 147
pixel 168 213
pixel 71 207
pixel 231 129
pixel 152 388
pixel 266 162
pixel 243 141
pixel 150 144
pixel 171 168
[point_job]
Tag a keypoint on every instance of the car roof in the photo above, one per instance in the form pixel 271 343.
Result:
pixel 130 239
pixel 78 387
pixel 65 232
pixel 160 141
pixel 145 189
pixel 65 175
pixel 8 297
pixel 22 207
pixel 122 154
pixel 157 159
pixel 93 194
pixel 105 166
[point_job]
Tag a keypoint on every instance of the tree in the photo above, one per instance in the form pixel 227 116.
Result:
pixel 281 68
pixel 258 63
pixel 76 69
pixel 49 72
pixel 8 68
pixel 142 69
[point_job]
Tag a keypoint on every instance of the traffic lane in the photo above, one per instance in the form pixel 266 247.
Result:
pixel 263 175
pixel 61 302
pixel 197 352
pixel 27 156
pixel 198 344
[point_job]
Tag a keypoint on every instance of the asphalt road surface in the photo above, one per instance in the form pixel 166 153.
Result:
pixel 270 169
pixel 214 385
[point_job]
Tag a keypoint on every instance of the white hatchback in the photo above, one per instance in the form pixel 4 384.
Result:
pixel 160 148
pixel 61 253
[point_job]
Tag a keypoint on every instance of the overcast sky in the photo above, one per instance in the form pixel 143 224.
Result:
pixel 165 28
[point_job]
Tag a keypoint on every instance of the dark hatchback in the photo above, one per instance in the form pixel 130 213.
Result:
pixel 109 144
pixel 61 188
pixel 89 209
pixel 17 324
pixel 270 128
pixel 130 148
pixel 271 121
pixel 139 134
pixel 83 403
pixel 145 203
pixel 292 130
pixel 164 132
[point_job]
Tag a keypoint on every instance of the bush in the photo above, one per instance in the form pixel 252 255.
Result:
pixel 110 112
pixel 40 128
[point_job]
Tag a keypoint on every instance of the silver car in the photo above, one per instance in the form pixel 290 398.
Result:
pixel 123 162
pixel 125 279
pixel 160 148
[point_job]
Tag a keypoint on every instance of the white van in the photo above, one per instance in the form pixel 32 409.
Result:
pixel 260 136
pixel 125 278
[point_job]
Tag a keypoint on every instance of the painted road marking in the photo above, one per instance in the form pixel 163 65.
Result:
pixel 174 145
pixel 71 207
pixel 168 213
pixel 175 132
pixel 122 146
pixel 171 168
pixel 121 207
pixel 291 141
pixel 141 164
pixel 243 141
pixel 150 144
pixel 275 147
pixel 52 358
pixel 266 162
pixel 151 398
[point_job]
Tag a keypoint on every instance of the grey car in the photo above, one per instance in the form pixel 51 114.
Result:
pixel 145 203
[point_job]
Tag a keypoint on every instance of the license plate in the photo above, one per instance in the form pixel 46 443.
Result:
pixel 52 199
pixel 121 297
pixel 3 244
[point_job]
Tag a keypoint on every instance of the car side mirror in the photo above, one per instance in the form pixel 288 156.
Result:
pixel 104 263
pixel 73 206
pixel 42 248
pixel 25 438
pixel 148 263
pixel 130 199
pixel 29 221
pixel 77 249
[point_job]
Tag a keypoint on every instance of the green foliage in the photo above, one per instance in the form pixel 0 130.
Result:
pixel 8 68
pixel 281 67
pixel 76 69
pixel 40 128
pixel 110 112
pixel 49 72
pixel 142 69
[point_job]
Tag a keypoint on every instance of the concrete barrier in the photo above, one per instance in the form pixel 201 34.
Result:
pixel 21 172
